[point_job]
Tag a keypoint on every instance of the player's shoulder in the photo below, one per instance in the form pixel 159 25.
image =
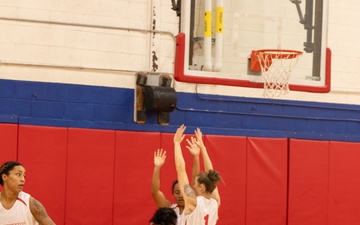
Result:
pixel 173 205
pixel 24 195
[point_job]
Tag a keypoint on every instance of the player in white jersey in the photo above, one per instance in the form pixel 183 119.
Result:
pixel 202 200
pixel 159 197
pixel 16 206
pixel 206 212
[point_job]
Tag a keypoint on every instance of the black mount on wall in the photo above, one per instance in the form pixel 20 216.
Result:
pixel 161 99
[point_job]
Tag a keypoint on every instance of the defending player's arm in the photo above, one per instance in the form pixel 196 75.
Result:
pixel 158 196
pixel 185 188
pixel 39 212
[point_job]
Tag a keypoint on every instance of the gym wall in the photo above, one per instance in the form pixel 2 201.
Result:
pixel 93 176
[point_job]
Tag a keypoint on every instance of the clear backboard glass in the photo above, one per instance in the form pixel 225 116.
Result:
pixel 217 38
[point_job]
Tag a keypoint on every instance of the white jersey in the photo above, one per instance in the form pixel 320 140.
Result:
pixel 180 217
pixel 19 214
pixel 205 213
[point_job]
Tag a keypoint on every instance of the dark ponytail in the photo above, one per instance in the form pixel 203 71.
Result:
pixel 210 179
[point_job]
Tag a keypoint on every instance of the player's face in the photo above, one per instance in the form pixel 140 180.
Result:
pixel 178 196
pixel 16 178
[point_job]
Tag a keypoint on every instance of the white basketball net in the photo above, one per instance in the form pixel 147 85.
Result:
pixel 276 66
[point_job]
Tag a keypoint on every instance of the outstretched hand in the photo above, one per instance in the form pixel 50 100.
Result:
pixel 159 157
pixel 193 147
pixel 199 142
pixel 179 135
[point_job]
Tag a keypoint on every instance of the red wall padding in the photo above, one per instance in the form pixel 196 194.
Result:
pixel 8 140
pixel 86 176
pixel 344 183
pixel 8 143
pixel 90 177
pixel 42 151
pixel 266 191
pixel 308 182
pixel 228 155
pixel 134 162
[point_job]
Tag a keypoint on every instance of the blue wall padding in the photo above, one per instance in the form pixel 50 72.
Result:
pixel 344 183
pixel 308 182
pixel 266 185
pixel 43 152
pixel 89 176
pixel 95 107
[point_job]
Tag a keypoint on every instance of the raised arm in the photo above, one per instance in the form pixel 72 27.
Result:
pixel 195 151
pixel 185 188
pixel 158 196
pixel 206 159
pixel 39 212
pixel 207 162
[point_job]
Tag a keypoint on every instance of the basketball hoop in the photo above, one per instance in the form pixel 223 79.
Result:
pixel 276 66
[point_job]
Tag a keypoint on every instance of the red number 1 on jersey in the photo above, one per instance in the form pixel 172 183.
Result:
pixel 206 218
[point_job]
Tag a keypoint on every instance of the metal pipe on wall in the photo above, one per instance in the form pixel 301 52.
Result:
pixel 129 29
pixel 207 35
pixel 318 32
pixel 89 26
pixel 219 36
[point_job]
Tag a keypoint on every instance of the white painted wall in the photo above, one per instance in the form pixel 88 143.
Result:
pixel 122 44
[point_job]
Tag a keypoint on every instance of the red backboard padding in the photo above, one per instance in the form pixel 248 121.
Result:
pixel 134 162
pixel 42 151
pixel 308 182
pixel 8 140
pixel 266 190
pixel 90 176
pixel 344 183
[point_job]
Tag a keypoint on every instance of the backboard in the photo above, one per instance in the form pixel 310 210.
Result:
pixel 217 38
